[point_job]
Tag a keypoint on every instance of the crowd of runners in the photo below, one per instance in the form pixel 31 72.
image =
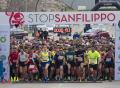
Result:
pixel 82 59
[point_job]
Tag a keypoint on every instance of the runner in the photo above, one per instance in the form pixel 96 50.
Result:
pixel 109 63
pixel 52 63
pixel 13 60
pixel 93 57
pixel 32 66
pixel 59 62
pixel 86 62
pixel 70 56
pixel 23 63
pixel 101 68
pixel 45 61
pixel 80 63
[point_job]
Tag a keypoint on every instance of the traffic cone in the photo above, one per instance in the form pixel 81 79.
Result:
pixel 12 80
pixel 3 81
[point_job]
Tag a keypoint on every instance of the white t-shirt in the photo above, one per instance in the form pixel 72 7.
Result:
pixel 34 55
pixel 23 57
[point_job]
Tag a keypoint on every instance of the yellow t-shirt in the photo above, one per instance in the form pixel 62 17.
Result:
pixel 93 57
pixel 53 53
pixel 44 56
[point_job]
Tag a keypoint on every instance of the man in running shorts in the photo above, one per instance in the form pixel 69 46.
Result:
pixel 44 59
pixel 93 57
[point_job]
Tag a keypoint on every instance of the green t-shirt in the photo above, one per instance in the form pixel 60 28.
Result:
pixel 69 55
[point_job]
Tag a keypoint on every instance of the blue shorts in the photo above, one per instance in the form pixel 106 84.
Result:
pixel 58 63
pixel 43 64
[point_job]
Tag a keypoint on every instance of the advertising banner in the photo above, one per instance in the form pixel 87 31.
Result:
pixel 117 52
pixel 4 51
pixel 117 70
pixel 34 18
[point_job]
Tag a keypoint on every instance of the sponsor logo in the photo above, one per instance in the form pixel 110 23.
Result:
pixel 2 39
pixel 2 57
pixel 15 18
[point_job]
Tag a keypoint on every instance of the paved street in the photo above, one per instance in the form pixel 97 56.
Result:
pixel 115 84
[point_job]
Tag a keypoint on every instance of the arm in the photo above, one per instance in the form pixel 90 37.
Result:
pixel 9 60
pixel 88 57
pixel 18 58
pixel 98 57
pixel 113 57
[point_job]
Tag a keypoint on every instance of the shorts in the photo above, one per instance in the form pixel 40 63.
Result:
pixel 94 66
pixel 109 65
pixel 85 66
pixel 72 63
pixel 78 63
pixel 58 64
pixel 52 64
pixel 13 68
pixel 14 65
pixel 43 64
pixel 22 64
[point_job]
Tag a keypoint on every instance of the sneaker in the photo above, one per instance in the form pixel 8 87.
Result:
pixel 65 79
pixel 61 80
pixel 69 78
pixel 90 78
pixel 46 79
pixel 72 78
pixel 106 77
pixel 57 78
pixel 86 80
pixel 94 79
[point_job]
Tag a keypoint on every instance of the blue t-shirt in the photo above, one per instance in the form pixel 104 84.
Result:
pixel 76 36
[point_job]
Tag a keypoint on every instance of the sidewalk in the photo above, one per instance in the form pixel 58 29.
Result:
pixel 106 84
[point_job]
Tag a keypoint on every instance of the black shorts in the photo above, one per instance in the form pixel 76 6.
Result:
pixel 78 63
pixel 85 66
pixel 14 65
pixel 22 64
pixel 72 63
pixel 94 66
pixel 52 65
pixel 109 65
pixel 13 69
pixel 58 64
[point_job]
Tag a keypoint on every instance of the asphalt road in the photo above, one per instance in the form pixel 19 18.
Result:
pixel 114 84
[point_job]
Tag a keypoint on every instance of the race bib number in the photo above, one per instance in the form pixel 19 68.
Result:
pixel 108 59
pixel 60 57
pixel 79 59
pixel 45 58
pixel 70 57
pixel 31 66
